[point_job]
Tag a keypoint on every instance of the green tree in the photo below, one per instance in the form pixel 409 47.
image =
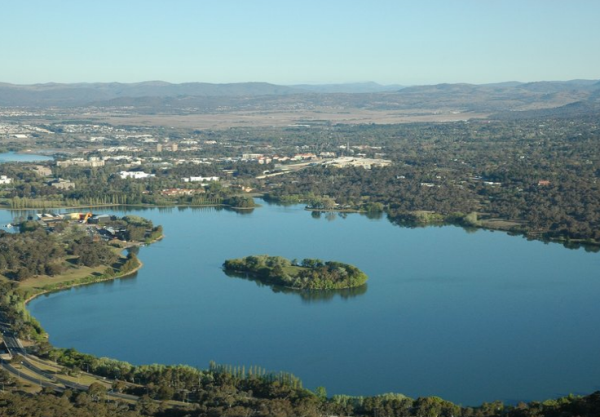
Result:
pixel 23 273
pixel 321 392
pixel 97 391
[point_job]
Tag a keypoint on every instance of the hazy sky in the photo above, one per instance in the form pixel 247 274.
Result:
pixel 290 41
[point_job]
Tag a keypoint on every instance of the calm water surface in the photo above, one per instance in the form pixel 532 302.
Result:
pixel 469 317
pixel 22 157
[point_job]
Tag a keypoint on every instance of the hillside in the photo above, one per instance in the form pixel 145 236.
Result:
pixel 162 97
pixel 53 94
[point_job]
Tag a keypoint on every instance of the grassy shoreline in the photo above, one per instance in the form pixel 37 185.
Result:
pixel 83 206
pixel 60 284
pixel 88 280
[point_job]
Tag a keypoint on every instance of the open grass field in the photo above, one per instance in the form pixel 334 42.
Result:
pixel 70 274
pixel 25 371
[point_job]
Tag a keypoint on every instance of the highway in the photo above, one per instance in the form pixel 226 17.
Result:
pixel 13 344
pixel 27 377
pixel 15 347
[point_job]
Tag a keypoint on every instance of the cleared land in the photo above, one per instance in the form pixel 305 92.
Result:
pixel 279 119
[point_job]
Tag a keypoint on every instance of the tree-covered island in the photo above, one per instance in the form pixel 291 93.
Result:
pixel 309 274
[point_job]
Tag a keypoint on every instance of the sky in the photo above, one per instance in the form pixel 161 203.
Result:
pixel 291 42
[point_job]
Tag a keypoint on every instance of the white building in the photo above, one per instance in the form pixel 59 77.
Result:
pixel 200 179
pixel 5 180
pixel 250 156
pixel 350 161
pixel 135 174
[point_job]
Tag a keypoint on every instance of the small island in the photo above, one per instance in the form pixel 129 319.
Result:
pixel 309 274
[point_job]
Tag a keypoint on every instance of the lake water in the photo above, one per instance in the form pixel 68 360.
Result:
pixel 23 157
pixel 469 317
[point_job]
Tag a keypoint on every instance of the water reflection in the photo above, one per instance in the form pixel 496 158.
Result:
pixel 239 211
pixel 577 245
pixel 318 296
pixel 133 249
pixel 307 296
pixel 217 209
pixel 374 215
pixel 328 215
pixel 16 216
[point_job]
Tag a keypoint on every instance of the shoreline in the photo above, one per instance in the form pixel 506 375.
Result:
pixel 321 210
pixel 80 284
pixel 505 229
pixel 77 282
pixel 561 240
pixel 324 280
pixel 128 205
pixel 256 278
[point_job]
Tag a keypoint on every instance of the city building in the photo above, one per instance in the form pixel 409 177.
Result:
pixel 135 174
pixel 93 162
pixel 61 184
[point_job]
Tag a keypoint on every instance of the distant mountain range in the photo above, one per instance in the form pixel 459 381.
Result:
pixel 56 94
pixel 53 94
pixel 577 95
pixel 350 88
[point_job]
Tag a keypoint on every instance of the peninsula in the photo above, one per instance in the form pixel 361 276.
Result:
pixel 309 274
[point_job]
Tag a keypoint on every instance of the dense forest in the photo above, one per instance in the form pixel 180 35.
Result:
pixel 310 274
pixel 31 253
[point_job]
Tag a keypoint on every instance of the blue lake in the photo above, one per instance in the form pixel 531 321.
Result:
pixel 23 157
pixel 469 317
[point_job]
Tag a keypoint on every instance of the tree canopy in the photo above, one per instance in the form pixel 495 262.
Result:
pixel 310 274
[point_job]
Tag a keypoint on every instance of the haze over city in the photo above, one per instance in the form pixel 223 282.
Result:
pixel 389 42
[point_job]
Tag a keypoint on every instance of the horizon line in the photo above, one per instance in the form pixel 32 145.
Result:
pixel 316 84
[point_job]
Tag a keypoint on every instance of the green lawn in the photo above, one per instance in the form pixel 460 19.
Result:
pixel 72 272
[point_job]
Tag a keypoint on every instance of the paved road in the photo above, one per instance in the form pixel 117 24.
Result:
pixel 30 378
pixel 13 344
pixel 41 372
pixel 15 347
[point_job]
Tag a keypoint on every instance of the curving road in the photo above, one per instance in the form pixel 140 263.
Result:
pixel 30 378
pixel 15 347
